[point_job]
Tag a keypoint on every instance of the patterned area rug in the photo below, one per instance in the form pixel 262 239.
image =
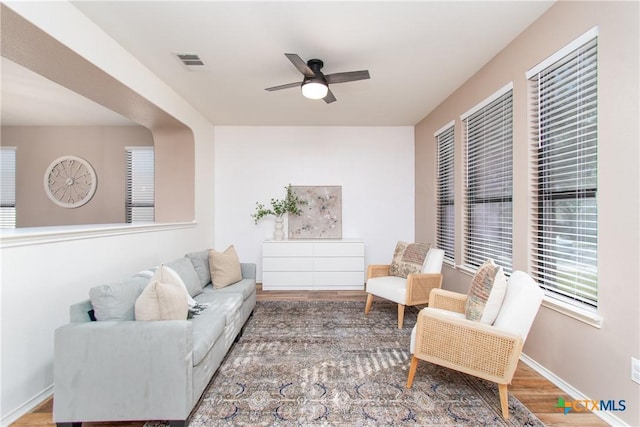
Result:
pixel 327 364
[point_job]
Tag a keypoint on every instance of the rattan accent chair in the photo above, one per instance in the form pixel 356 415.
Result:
pixel 414 290
pixel 444 336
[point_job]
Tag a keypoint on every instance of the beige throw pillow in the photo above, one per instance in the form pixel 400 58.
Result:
pixel 488 288
pixel 408 258
pixel 225 267
pixel 162 301
pixel 166 274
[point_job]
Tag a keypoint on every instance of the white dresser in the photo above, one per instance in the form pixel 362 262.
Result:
pixel 313 265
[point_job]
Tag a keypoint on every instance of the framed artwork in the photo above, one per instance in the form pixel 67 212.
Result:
pixel 321 216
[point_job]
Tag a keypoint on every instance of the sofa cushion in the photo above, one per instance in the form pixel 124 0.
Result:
pixel 486 294
pixel 162 301
pixel 224 267
pixel 200 261
pixel 185 269
pixel 206 329
pixel 245 287
pixel 408 258
pixel 115 301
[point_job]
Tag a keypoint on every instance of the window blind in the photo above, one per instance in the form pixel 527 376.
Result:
pixel 565 141
pixel 140 194
pixel 445 216
pixel 488 136
pixel 7 187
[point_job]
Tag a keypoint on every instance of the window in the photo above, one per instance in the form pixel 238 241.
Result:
pixel 565 140
pixel 7 187
pixel 140 197
pixel 488 138
pixel 445 215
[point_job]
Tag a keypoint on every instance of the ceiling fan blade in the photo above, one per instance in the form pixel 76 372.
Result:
pixel 287 86
pixel 300 64
pixel 349 76
pixel 329 98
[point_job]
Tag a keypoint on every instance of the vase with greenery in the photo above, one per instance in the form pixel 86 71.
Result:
pixel 280 207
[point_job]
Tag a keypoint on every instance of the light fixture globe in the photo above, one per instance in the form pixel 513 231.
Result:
pixel 314 89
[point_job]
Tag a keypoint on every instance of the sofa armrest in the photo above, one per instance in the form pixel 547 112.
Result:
pixel 79 312
pixel 135 370
pixel 248 270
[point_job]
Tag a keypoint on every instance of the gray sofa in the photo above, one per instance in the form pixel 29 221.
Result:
pixel 120 369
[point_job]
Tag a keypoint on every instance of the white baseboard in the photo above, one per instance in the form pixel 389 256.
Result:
pixel 27 407
pixel 575 394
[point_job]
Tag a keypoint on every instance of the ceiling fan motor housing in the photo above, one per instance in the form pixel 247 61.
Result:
pixel 315 65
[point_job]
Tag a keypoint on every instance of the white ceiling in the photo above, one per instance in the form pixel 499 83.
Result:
pixel 417 53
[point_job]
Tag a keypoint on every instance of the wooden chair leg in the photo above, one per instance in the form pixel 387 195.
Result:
pixel 367 307
pixel 504 400
pixel 400 315
pixel 412 371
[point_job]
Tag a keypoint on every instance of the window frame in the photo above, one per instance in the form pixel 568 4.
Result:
pixel 136 196
pixel 502 254
pixel 8 214
pixel 445 190
pixel 576 306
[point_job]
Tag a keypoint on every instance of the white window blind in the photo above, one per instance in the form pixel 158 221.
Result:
pixel 8 187
pixel 140 194
pixel 565 140
pixel 445 216
pixel 488 136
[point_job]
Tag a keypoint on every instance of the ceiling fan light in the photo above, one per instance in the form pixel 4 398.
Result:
pixel 314 90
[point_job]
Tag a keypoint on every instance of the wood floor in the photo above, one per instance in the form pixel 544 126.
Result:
pixel 533 390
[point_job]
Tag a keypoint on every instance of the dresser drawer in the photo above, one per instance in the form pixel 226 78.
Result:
pixel 338 264
pixel 287 264
pixel 312 265
pixel 287 249
pixel 324 279
pixel 287 280
pixel 338 249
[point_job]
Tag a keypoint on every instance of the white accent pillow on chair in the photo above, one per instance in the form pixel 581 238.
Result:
pixel 433 261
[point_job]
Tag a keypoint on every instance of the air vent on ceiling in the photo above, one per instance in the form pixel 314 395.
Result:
pixel 191 61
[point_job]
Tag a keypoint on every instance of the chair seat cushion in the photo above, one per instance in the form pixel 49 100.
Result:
pixel 392 288
pixel 246 287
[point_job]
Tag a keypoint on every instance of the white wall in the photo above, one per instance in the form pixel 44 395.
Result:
pixel 374 166
pixel 40 281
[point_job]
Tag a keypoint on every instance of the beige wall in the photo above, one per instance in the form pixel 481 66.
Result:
pixel 595 361
pixel 175 163
pixel 34 49
pixel 102 146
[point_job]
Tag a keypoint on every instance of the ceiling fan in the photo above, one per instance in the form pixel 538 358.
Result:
pixel 315 85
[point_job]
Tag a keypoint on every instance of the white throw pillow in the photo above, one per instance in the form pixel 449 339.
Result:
pixel 166 274
pixel 161 301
